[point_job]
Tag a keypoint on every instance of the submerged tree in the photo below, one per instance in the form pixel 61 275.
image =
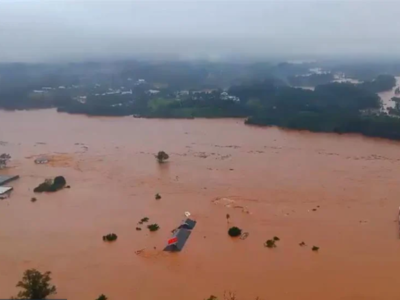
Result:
pixel 234 231
pixel 111 237
pixel 4 159
pixel 153 227
pixel 227 296
pixel 227 218
pixel 102 297
pixel 162 156
pixel 270 244
pixel 35 285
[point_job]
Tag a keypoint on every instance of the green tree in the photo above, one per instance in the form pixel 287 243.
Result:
pixel 162 156
pixel 234 231
pixel 35 285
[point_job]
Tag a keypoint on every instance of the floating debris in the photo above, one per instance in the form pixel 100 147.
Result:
pixel 244 235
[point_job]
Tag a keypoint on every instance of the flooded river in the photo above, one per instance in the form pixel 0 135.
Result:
pixel 386 97
pixel 337 192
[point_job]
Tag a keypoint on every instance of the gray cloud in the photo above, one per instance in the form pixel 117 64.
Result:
pixel 39 30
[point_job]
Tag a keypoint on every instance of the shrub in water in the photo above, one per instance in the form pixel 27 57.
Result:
pixel 270 244
pixel 162 156
pixel 145 219
pixel 276 238
pixel 315 248
pixel 60 181
pixel 153 227
pixel 51 185
pixel 102 297
pixel 111 237
pixel 158 197
pixel 234 231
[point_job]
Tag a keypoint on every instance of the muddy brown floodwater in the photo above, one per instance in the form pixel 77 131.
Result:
pixel 337 192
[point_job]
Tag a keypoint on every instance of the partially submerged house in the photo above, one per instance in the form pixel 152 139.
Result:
pixel 5 192
pixel 180 236
pixel 187 224
pixel 6 178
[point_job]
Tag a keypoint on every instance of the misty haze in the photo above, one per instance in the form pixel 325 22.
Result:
pixel 194 150
pixel 40 30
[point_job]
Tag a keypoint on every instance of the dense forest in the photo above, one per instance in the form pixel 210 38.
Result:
pixel 335 107
pixel 261 93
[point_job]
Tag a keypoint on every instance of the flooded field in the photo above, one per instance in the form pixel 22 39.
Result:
pixel 340 193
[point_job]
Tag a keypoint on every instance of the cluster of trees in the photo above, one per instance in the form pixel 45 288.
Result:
pixel 334 107
pixel 380 84
pixel 50 185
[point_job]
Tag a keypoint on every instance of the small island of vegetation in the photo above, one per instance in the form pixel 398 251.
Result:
pixel 51 185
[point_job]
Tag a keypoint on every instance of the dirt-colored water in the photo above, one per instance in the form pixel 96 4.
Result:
pixel 268 180
pixel 387 96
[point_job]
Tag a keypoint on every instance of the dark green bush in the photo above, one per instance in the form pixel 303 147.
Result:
pixel 102 297
pixel 111 237
pixel 35 285
pixel 60 181
pixel 153 227
pixel 270 244
pixel 51 186
pixel 234 231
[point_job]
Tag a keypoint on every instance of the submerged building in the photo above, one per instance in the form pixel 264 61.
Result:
pixel 180 236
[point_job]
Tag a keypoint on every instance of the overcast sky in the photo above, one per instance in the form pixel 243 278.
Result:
pixel 40 30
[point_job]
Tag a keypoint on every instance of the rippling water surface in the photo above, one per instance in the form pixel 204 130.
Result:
pixel 338 192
